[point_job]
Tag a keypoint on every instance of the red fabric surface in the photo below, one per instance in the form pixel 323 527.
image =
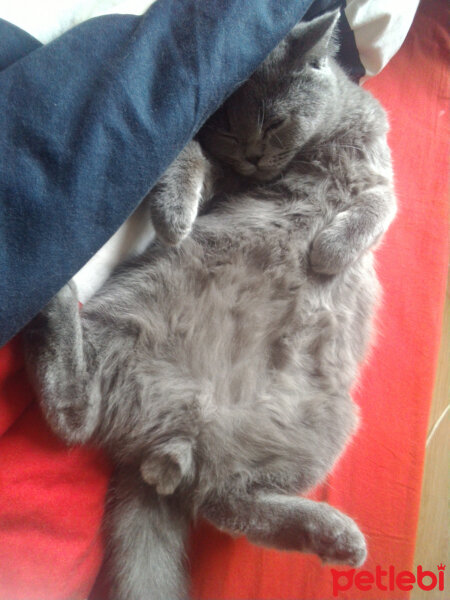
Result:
pixel 51 497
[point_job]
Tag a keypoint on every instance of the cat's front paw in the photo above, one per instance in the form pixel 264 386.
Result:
pixel 175 200
pixel 336 538
pixel 329 253
pixel 173 220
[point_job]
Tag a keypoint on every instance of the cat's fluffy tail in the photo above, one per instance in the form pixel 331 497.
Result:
pixel 147 535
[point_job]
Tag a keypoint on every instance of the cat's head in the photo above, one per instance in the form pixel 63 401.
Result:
pixel 286 102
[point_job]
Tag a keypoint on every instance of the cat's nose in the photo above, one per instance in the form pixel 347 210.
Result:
pixel 253 158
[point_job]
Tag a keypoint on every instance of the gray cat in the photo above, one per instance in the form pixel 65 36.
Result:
pixel 216 368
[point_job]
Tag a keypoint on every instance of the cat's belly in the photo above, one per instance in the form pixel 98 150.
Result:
pixel 240 319
pixel 259 352
pixel 242 329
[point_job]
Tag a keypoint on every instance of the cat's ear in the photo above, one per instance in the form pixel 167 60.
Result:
pixel 312 41
pixel 167 468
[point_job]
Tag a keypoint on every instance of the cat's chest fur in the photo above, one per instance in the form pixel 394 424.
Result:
pixel 321 181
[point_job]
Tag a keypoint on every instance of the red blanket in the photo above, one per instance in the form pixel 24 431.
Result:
pixel 51 497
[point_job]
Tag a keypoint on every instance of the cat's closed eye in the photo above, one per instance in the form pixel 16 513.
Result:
pixel 227 135
pixel 276 124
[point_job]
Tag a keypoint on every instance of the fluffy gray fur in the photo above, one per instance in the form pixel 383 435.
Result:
pixel 216 368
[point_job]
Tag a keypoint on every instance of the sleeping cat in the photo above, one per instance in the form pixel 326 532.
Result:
pixel 216 368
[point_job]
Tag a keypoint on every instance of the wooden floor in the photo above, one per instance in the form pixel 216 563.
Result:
pixel 432 545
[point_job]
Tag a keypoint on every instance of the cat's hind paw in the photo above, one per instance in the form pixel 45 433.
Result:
pixel 168 468
pixel 336 538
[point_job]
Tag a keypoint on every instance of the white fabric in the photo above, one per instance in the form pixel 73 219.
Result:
pixel 47 19
pixel 131 239
pixel 380 27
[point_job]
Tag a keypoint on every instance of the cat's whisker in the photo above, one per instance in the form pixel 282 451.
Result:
pixel 263 107
pixel 260 120
pixel 353 147
pixel 284 153
pixel 276 136
pixel 325 145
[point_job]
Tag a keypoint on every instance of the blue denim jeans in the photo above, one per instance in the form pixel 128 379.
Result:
pixel 89 122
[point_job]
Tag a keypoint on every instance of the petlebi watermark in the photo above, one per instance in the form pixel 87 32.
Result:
pixel 388 579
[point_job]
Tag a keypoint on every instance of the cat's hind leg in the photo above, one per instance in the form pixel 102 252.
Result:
pixel 59 358
pixel 292 523
pixel 168 468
